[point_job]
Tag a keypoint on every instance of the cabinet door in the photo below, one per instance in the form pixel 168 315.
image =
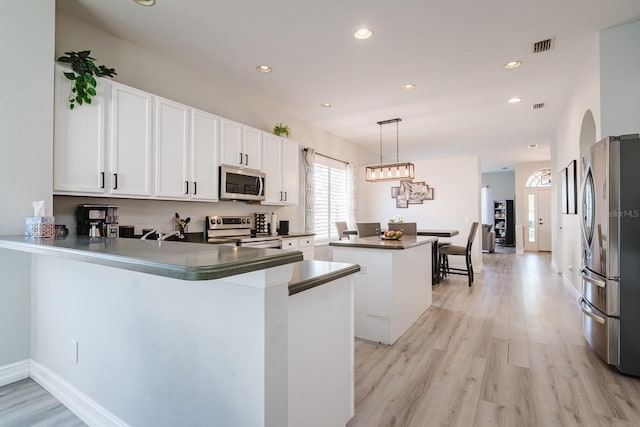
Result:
pixel 79 138
pixel 252 149
pixel 273 169
pixel 204 156
pixel 231 143
pixel 130 141
pixel 290 171
pixel 171 149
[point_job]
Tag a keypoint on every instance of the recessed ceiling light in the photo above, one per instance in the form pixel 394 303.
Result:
pixel 532 145
pixel 263 68
pixel 409 86
pixel 326 105
pixel 512 64
pixel 363 33
pixel 145 2
pixel 514 100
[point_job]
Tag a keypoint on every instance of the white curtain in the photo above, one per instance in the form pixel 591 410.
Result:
pixel 309 192
pixel 351 195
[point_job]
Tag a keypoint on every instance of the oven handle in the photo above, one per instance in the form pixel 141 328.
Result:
pixel 593 281
pixel 595 317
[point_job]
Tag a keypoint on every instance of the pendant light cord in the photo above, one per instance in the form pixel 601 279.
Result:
pixel 397 150
pixel 380 145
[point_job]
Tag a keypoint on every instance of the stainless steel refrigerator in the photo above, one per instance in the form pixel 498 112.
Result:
pixel 611 252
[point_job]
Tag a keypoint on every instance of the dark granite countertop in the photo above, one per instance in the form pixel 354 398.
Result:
pixel 375 242
pixel 311 273
pixel 169 259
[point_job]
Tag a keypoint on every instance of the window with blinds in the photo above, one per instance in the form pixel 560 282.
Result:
pixel 330 182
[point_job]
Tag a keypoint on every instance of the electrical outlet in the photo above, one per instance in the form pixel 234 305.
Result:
pixel 74 350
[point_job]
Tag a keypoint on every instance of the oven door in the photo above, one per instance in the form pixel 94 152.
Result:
pixel 273 243
pixel 241 184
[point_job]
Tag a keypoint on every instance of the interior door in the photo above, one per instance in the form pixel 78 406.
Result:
pixel 544 220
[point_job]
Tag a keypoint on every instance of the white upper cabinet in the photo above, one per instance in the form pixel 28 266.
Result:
pixel 281 166
pixel 290 172
pixel 79 139
pixel 240 146
pixel 204 156
pixel 171 149
pixel 252 148
pixel 131 142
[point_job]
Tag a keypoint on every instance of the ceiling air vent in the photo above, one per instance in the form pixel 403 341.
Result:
pixel 537 106
pixel 543 46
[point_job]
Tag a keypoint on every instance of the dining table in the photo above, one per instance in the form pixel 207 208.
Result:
pixel 435 270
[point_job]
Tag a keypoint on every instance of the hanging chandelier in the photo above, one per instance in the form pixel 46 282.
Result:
pixel 390 171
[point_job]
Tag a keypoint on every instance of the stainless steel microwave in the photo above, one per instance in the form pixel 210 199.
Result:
pixel 241 184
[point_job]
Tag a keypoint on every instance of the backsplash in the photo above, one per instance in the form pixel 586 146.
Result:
pixel 159 214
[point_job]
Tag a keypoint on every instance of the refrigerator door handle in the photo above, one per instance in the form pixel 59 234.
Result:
pixel 592 280
pixel 587 312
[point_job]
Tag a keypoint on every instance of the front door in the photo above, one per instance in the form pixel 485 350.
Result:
pixel 538 211
pixel 544 220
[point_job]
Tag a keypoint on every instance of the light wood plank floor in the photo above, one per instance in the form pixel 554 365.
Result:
pixel 507 352
pixel 25 403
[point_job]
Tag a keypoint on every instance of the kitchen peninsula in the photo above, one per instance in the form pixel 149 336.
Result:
pixel 393 287
pixel 131 332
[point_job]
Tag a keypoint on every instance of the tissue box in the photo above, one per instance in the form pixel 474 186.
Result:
pixel 39 226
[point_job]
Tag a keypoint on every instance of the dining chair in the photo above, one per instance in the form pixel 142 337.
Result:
pixel 408 228
pixel 366 229
pixel 465 251
pixel 342 227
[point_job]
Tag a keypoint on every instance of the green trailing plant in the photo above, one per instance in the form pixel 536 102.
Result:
pixel 281 129
pixel 83 76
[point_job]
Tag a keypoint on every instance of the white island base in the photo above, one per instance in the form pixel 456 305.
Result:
pixel 392 289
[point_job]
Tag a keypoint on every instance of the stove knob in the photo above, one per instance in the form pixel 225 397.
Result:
pixel 219 221
pixel 248 220
pixel 244 221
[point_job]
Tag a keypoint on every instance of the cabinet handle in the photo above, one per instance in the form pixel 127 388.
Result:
pixel 101 179
pixel 281 196
pixel 240 158
pixel 115 181
pixel 246 159
pixel 187 189
pixel 285 196
pixel 195 188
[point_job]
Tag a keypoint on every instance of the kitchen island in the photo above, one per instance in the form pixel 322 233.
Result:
pixel 393 287
pixel 130 332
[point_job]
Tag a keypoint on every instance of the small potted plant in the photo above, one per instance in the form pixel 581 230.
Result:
pixel 281 129
pixel 83 76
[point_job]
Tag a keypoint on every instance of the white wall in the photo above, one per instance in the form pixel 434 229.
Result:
pixel 500 186
pixel 620 79
pixel 566 234
pixel 174 80
pixel 456 204
pixel 26 134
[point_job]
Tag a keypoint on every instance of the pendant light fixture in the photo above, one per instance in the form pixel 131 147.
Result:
pixel 391 171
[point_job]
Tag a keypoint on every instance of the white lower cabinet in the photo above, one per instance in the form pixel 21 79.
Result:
pixel 306 245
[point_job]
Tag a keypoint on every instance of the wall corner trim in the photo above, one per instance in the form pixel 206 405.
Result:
pixel 14 372
pixel 77 402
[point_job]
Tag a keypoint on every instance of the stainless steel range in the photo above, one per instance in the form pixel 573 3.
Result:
pixel 238 230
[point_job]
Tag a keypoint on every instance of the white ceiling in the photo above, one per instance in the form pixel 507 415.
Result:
pixel 453 51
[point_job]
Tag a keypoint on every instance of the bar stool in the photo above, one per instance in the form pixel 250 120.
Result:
pixel 461 251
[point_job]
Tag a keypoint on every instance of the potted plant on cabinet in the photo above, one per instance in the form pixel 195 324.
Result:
pixel 281 129
pixel 83 76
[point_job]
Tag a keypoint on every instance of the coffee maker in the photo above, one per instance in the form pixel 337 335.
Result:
pixel 97 220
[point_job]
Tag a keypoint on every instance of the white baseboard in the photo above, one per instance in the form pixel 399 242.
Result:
pixel 554 267
pixel 84 407
pixel 568 284
pixel 14 372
